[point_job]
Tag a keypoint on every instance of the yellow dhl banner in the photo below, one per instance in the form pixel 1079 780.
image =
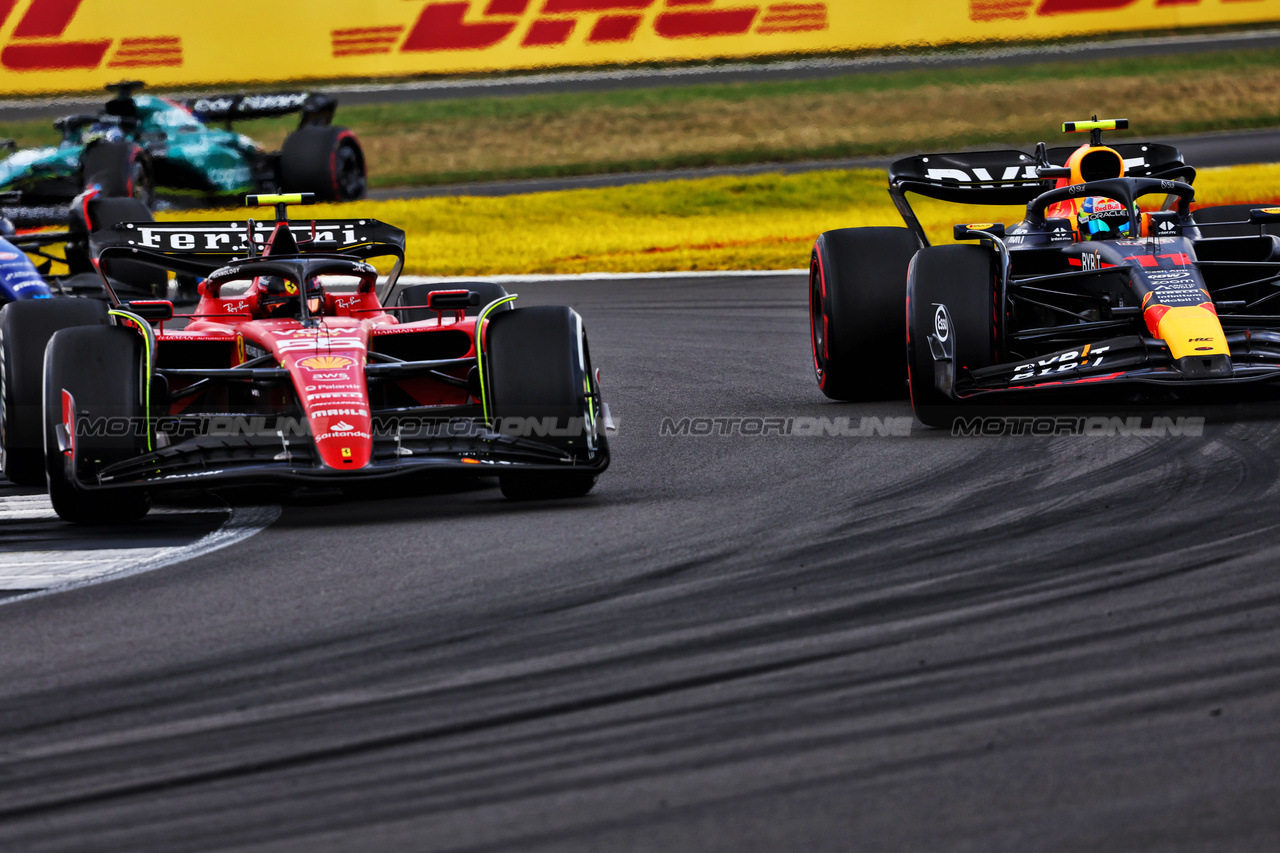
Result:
pixel 81 45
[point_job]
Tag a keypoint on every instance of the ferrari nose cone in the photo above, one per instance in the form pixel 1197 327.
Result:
pixel 327 366
pixel 344 440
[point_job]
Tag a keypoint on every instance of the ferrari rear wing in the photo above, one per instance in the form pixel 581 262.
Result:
pixel 316 108
pixel 199 248
pixel 1010 177
pixel 220 243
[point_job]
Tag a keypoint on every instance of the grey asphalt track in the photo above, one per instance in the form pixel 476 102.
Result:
pixel 769 643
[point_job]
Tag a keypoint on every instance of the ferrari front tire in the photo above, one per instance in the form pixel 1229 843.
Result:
pixel 538 487
pixel 539 371
pixel 100 368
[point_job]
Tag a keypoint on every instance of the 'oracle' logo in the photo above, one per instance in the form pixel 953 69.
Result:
pixel 483 24
pixel 37 42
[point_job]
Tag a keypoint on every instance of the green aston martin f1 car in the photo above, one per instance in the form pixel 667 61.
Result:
pixel 141 145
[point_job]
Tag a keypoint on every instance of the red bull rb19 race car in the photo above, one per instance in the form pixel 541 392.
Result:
pixel 292 370
pixel 1113 286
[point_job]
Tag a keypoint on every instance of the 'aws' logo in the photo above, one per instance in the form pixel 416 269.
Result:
pixel 37 43
pixel 482 24
pixel 996 10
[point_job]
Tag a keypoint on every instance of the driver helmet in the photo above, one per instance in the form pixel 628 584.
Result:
pixel 279 297
pixel 103 132
pixel 1103 218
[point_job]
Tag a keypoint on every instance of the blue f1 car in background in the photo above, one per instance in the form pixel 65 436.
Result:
pixel 19 276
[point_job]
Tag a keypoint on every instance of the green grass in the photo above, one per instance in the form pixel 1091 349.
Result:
pixel 434 142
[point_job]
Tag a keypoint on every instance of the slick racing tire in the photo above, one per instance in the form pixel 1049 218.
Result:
pixel 1234 213
pixel 962 278
pixel 131 279
pixel 324 160
pixel 120 169
pixel 539 370
pixel 416 294
pixel 25 330
pixel 857 281
pixel 101 368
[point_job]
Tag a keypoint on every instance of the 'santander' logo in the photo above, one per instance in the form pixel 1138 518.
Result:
pixel 37 42
pixel 482 24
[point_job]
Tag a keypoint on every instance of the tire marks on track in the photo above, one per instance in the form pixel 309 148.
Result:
pixel 756 644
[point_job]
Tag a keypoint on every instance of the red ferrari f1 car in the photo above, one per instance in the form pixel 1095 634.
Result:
pixel 1112 284
pixel 292 370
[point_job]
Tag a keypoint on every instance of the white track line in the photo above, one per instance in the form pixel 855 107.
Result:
pixel 599 276
pixel 58 571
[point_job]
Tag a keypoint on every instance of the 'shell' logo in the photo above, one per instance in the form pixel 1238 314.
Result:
pixel 37 42
pixel 326 362
pixel 482 24
pixel 996 10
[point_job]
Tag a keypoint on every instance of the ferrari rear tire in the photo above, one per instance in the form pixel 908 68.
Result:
pixel 132 279
pixel 539 373
pixel 857 282
pixel 25 330
pixel 417 294
pixel 324 160
pixel 963 280
pixel 100 367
